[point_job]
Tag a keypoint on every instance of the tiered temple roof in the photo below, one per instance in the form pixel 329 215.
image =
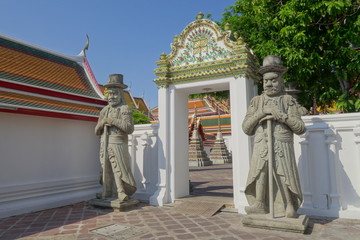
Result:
pixel 207 109
pixel 37 81
pixel 142 106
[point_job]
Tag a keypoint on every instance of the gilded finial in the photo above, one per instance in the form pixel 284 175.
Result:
pixel 200 16
pixel 163 56
pixel 227 27
pixel 236 35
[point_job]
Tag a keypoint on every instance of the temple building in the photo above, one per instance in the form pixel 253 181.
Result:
pixel 49 106
pixel 207 111
pixel 40 82
pixel 37 81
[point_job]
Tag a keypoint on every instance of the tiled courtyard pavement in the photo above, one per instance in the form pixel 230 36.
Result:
pixel 215 180
pixel 147 222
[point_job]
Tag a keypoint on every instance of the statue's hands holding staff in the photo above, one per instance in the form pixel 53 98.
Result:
pixel 272 114
pixel 106 121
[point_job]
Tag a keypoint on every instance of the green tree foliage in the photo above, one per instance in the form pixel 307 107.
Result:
pixel 318 40
pixel 140 118
pixel 223 95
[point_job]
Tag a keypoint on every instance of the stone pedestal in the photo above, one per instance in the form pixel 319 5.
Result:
pixel 197 154
pixel 115 204
pixel 219 153
pixel 264 221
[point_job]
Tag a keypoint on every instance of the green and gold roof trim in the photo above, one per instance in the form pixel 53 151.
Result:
pixel 203 51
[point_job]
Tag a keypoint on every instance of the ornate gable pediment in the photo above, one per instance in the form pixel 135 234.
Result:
pixel 200 42
pixel 203 51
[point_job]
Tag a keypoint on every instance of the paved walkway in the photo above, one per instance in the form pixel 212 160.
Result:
pixel 80 221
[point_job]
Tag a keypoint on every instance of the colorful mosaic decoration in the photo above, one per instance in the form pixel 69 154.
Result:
pixel 203 51
pixel 200 46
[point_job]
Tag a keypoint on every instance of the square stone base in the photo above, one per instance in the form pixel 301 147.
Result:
pixel 264 221
pixel 115 204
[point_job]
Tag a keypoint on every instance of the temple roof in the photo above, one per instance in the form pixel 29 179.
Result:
pixel 142 106
pixel 137 103
pixel 206 106
pixel 208 110
pixel 38 81
pixel 210 124
pixel 29 65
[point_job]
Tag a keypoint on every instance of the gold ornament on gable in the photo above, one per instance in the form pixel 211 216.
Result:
pixel 202 51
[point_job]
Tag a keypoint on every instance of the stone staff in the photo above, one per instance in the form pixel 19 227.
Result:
pixel 104 177
pixel 270 168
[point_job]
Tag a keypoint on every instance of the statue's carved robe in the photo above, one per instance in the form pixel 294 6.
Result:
pixel 122 124
pixel 283 147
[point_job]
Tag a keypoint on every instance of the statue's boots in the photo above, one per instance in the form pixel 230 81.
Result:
pixel 122 196
pixel 257 208
pixel 290 211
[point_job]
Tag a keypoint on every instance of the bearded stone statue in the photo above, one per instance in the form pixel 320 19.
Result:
pixel 284 114
pixel 114 124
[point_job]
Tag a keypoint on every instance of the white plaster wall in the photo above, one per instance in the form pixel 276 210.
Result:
pixel 143 149
pixel 329 165
pixel 50 162
pixel 46 162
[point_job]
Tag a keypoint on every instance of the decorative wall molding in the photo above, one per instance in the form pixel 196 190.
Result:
pixel 329 165
pixel 21 198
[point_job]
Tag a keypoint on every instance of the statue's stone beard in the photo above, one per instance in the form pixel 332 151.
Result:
pixel 114 103
pixel 271 91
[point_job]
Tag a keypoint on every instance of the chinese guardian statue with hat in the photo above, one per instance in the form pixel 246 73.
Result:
pixel 272 118
pixel 114 124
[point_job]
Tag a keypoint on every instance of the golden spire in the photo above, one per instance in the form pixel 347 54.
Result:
pixel 200 16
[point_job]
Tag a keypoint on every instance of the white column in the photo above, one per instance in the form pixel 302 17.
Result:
pixel 305 176
pixel 179 145
pixel 356 164
pixel 357 139
pixel 241 92
pixel 334 197
pixel 145 142
pixel 142 143
pixel 161 195
pixel 132 152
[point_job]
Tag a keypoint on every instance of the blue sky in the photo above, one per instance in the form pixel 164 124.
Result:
pixel 126 37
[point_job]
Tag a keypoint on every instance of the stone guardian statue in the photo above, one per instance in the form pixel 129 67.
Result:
pixel 114 124
pixel 273 117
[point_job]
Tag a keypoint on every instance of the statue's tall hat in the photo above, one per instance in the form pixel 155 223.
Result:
pixel 272 64
pixel 116 80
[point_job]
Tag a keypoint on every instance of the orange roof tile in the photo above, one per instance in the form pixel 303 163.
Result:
pixel 142 107
pixel 32 66
pixel 18 63
pixel 41 103
pixel 40 82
